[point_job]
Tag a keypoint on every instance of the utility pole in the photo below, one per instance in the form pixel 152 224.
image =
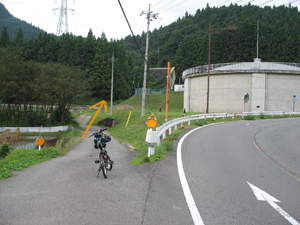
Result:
pixel 112 83
pixel 257 39
pixel 232 27
pixel 149 16
pixel 208 71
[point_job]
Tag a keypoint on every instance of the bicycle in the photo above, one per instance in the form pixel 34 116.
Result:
pixel 100 142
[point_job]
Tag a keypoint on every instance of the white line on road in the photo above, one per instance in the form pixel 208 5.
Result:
pixel 263 196
pixel 184 184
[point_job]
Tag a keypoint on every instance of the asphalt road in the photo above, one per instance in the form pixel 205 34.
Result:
pixel 65 190
pixel 218 162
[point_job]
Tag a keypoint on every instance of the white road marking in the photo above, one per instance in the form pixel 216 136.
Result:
pixel 263 196
pixel 184 184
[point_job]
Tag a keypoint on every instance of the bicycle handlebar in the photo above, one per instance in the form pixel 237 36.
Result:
pixel 100 131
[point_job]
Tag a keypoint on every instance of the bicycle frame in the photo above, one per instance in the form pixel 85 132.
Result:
pixel 104 159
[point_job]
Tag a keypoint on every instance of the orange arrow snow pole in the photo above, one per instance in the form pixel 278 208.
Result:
pixel 93 106
pixel 167 98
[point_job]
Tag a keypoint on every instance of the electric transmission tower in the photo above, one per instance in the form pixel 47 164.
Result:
pixel 63 17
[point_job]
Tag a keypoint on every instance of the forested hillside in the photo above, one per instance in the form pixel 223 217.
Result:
pixel 48 71
pixel 185 42
pixel 13 24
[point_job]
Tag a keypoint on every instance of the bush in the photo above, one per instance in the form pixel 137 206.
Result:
pixel 4 150
pixel 249 117
pixel 262 116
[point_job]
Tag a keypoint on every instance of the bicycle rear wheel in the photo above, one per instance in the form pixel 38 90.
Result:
pixel 104 171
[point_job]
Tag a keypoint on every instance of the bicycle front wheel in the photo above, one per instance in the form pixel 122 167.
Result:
pixel 108 165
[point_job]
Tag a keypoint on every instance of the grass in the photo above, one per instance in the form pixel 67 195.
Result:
pixel 22 158
pixel 133 134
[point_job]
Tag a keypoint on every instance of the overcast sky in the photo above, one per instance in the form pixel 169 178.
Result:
pixel 106 15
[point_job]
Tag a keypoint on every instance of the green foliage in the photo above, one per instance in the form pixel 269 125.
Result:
pixel 99 75
pixel 62 111
pixel 14 24
pixel 4 150
pixel 262 116
pixel 19 159
pixel 4 40
pixel 23 158
pixel 184 43
pixel 31 84
pixel 249 117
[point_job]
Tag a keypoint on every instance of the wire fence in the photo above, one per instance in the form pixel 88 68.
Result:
pixel 33 144
pixel 27 146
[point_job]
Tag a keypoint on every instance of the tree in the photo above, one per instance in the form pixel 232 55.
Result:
pixel 38 48
pixel 79 53
pixel 29 51
pixel 99 71
pixel 70 84
pixel 89 49
pixel 19 39
pixel 51 50
pixel 66 49
pixel 4 38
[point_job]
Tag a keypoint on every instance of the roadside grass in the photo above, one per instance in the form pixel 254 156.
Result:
pixel 134 133
pixel 19 159
pixel 132 130
pixel 128 130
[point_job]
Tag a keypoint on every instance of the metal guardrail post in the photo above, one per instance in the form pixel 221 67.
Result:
pixel 153 137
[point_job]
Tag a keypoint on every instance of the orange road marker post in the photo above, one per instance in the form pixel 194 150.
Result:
pixel 167 97
pixel 151 137
pixel 39 142
pixel 99 108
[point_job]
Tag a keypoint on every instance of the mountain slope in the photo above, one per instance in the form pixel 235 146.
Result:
pixel 13 24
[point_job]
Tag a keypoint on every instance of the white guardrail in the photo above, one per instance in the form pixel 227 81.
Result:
pixel 154 137
pixel 38 129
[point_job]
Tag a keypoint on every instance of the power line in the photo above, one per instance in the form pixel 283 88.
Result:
pixel 173 6
pixel 131 29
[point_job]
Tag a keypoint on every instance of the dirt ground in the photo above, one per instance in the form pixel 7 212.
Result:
pixel 126 107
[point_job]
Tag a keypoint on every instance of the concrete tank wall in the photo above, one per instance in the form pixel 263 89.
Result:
pixel 280 91
pixel 268 91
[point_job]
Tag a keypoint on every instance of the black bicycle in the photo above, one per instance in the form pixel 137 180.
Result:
pixel 100 142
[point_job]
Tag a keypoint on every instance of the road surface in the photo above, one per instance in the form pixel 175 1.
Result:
pixel 219 163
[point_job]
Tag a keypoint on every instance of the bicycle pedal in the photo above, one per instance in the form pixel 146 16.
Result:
pixel 97 161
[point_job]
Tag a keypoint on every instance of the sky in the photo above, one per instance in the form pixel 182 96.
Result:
pixel 106 15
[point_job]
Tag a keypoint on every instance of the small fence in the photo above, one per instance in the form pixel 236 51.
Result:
pixel 28 146
pixel 38 129
pixel 151 91
pixel 8 136
pixel 154 137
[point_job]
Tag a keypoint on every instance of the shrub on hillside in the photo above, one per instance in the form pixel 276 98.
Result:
pixel 4 150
